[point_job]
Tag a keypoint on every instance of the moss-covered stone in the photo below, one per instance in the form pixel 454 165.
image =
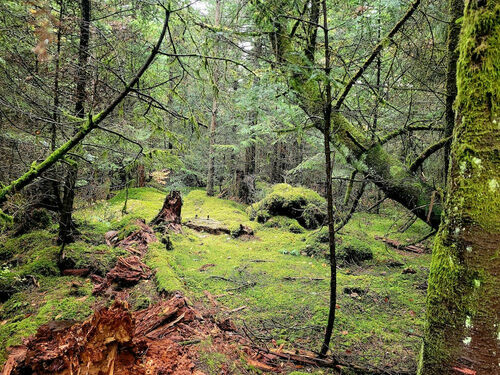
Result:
pixel 302 204
pixel 352 250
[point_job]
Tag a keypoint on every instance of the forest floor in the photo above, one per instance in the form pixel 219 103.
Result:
pixel 275 295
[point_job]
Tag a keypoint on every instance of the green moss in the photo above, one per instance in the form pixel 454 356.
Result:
pixel 353 250
pixel 99 259
pixel 300 203
pixel 284 222
pixel 159 258
pixel 26 311
pixel 463 283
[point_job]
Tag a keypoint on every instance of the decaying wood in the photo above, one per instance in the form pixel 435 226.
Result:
pixel 116 341
pixel 418 249
pixel 169 217
pixel 137 242
pixel 216 227
pixel 208 226
pixel 127 272
pixel 76 272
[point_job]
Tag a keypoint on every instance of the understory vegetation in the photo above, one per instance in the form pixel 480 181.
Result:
pixel 282 286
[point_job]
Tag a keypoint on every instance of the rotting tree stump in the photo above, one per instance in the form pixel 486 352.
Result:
pixel 169 217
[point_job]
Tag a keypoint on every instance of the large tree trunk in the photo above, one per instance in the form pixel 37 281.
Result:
pixel 463 299
pixel 66 224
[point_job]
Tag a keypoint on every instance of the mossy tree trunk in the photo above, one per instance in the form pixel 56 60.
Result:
pixel 462 333
pixel 456 10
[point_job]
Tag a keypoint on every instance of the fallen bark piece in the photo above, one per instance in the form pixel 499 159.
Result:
pixel 127 272
pixel 169 217
pixel 208 226
pixel 206 267
pixel 261 366
pixel 76 272
pixel 418 249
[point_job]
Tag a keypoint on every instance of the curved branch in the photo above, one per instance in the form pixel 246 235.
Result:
pixel 380 45
pixel 428 152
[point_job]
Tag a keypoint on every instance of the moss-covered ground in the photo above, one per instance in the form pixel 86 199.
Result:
pixel 281 292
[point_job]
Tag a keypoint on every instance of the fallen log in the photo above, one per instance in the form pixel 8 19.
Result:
pixel 208 226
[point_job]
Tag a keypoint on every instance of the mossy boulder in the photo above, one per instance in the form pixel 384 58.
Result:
pixel 302 204
pixel 283 222
pixel 352 250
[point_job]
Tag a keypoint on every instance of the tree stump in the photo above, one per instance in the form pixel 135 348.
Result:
pixel 169 217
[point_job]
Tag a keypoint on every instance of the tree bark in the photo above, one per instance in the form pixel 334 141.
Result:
pixel 463 297
pixel 329 189
pixel 169 217
pixel 456 9
pixel 213 122
pixel 66 225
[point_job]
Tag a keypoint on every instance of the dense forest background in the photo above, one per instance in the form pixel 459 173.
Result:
pixel 318 118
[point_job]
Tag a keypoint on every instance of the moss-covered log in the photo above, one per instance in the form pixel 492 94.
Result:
pixel 386 171
pixel 462 333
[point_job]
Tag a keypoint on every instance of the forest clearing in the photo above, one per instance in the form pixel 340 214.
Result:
pixel 246 187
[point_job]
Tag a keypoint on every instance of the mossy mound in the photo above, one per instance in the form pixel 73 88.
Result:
pixel 283 222
pixel 302 204
pixel 317 243
pixel 352 250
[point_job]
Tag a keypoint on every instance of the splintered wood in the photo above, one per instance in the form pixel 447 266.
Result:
pixel 114 341
pixel 160 340
pixel 169 217
pixel 128 271
pixel 137 243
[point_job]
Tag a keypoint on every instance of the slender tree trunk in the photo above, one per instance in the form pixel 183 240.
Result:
pixel 375 113
pixel 55 183
pixel 329 190
pixel 462 334
pixel 456 10
pixel 66 225
pixel 213 122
